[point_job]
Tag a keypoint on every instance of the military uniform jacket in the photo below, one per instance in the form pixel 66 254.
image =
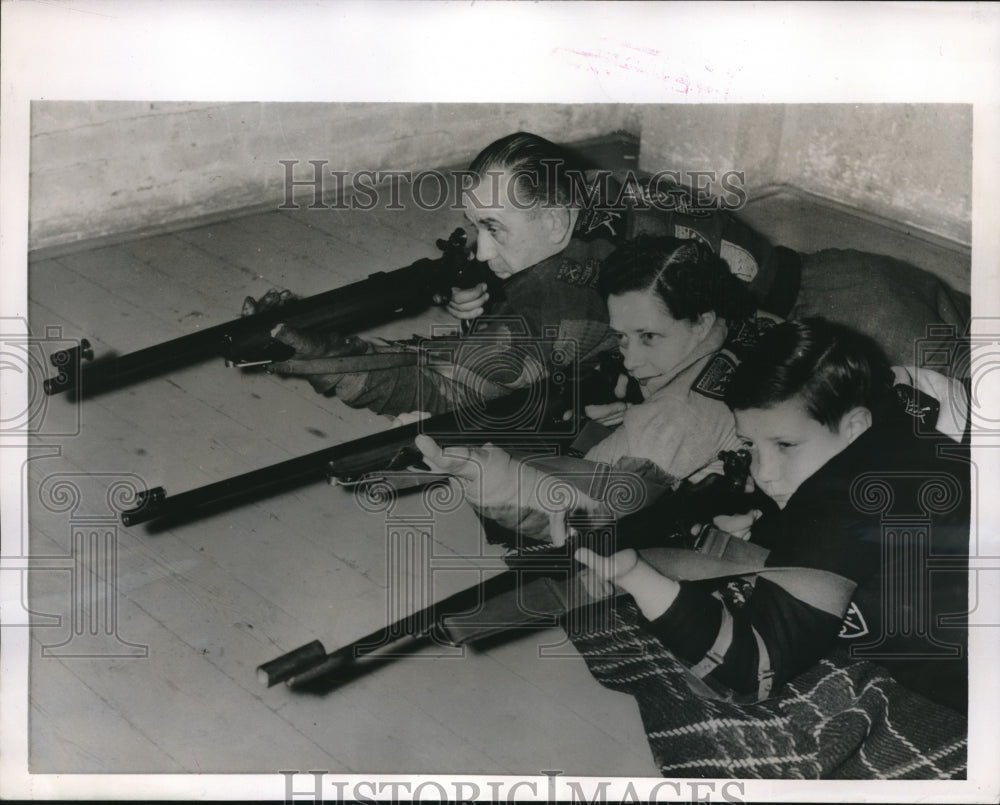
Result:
pixel 550 316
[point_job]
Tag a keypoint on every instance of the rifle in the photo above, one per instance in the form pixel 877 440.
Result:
pixel 247 341
pixel 533 415
pixel 533 593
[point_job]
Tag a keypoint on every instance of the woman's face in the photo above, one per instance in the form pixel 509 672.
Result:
pixel 653 343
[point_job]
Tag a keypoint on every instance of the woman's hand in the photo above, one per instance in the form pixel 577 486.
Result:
pixel 487 474
pixel 609 414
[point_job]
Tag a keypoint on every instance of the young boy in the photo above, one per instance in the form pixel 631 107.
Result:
pixel 860 495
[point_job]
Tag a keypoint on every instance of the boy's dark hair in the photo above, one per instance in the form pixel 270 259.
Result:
pixel 832 368
pixel 686 275
pixel 544 171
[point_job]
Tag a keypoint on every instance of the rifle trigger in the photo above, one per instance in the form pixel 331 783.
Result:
pixel 244 364
pixel 397 480
pixel 348 483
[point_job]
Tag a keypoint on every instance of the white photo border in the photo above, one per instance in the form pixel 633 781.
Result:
pixel 247 50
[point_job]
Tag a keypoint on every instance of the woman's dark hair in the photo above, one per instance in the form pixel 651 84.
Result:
pixel 687 276
pixel 832 368
pixel 544 171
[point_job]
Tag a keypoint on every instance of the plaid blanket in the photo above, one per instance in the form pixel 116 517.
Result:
pixel 842 719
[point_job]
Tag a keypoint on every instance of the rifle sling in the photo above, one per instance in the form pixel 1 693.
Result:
pixel 821 589
pixel 370 362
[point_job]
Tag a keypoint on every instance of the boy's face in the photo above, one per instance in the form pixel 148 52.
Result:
pixel 509 237
pixel 787 445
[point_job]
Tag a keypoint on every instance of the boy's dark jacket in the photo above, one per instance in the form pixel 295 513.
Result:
pixel 890 513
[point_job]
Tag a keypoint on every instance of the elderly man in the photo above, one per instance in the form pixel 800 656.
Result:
pixel 543 231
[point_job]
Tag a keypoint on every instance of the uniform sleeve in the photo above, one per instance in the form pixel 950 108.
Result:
pixel 681 434
pixel 793 634
pixel 404 389
pixel 762 627
pixel 456 372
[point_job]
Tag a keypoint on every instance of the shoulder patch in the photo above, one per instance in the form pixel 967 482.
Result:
pixel 740 261
pixel 714 379
pixel 599 222
pixel 687 233
pixel 736 593
pixel 922 407
pixel 574 272
pixel 854 624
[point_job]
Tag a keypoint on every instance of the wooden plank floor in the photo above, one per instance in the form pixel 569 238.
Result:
pixel 209 601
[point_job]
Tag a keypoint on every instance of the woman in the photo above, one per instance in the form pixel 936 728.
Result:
pixel 673 304
pixel 682 319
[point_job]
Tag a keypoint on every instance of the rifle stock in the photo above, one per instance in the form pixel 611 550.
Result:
pixel 360 305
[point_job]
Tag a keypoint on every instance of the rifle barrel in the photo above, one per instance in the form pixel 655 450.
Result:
pixel 358 455
pixel 384 451
pixel 357 306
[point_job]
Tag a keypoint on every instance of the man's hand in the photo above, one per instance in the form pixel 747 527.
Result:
pixel 306 345
pixel 316 345
pixel 272 299
pixel 468 303
pixel 408 418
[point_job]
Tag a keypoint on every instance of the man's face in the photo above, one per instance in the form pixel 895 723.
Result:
pixel 509 237
pixel 653 343
pixel 787 445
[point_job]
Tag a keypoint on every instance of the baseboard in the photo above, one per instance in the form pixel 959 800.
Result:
pixel 808 222
pixel 941 241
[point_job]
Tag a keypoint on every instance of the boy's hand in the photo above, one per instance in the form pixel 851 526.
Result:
pixel 469 303
pixel 615 567
pixel 738 525
pixel 652 591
